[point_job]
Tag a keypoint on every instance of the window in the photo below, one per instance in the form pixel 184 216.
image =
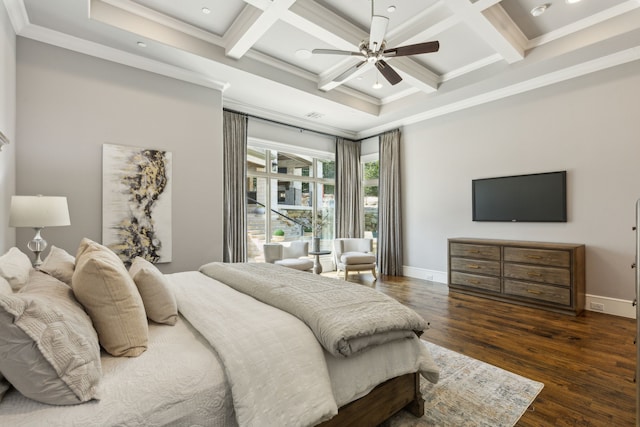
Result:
pixel 290 196
pixel 370 178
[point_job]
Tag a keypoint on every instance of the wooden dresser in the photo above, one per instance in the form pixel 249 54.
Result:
pixel 550 276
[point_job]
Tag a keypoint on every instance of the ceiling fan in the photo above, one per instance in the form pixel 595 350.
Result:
pixel 374 51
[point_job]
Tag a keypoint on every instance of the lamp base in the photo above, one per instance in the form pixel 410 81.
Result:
pixel 37 245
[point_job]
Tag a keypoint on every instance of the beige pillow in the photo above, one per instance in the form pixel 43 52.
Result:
pixel 49 350
pixel 59 264
pixel 103 286
pixel 15 267
pixel 157 295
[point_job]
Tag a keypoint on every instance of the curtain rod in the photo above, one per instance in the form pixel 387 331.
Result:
pixel 280 123
pixel 301 128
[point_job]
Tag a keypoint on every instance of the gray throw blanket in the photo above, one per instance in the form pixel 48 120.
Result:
pixel 346 318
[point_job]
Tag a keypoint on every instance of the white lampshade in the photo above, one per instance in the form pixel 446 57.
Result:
pixel 38 211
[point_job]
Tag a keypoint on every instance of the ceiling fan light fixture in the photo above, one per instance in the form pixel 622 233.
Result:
pixel 539 10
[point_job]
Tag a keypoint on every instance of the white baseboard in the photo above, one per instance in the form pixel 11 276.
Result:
pixel 617 307
pixel 596 303
pixel 424 274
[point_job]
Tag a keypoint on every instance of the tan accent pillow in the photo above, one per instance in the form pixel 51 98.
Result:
pixel 49 349
pixel 59 264
pixel 157 295
pixel 15 267
pixel 103 286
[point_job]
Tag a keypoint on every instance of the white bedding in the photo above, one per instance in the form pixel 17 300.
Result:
pixel 277 370
pixel 178 381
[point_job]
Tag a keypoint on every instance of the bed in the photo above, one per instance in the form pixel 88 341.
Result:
pixel 222 357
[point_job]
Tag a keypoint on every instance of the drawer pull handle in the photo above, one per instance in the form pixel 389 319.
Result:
pixel 533 256
pixel 475 266
pixel 533 274
pixel 532 291
pixel 474 251
pixel 475 282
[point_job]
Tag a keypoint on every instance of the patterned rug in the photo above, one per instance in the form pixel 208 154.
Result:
pixel 470 393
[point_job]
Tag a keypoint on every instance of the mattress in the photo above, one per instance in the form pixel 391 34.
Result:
pixel 178 381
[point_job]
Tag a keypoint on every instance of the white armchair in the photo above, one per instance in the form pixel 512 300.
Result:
pixel 354 254
pixel 292 255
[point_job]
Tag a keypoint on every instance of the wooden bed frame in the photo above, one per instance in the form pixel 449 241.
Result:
pixel 381 403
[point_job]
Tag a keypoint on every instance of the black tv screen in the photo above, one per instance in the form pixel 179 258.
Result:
pixel 537 197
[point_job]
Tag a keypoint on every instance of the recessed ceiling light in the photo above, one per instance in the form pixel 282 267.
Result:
pixel 391 9
pixel 206 10
pixel 573 1
pixel 303 54
pixel 142 44
pixel 539 10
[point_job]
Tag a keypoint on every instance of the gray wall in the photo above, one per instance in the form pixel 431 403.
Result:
pixel 70 104
pixel 589 127
pixel 8 127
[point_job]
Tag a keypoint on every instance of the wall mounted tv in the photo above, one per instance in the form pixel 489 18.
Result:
pixel 540 197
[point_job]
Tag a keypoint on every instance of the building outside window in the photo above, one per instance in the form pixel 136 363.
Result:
pixel 290 196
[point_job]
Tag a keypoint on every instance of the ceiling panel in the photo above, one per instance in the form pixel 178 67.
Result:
pixel 221 16
pixel 558 14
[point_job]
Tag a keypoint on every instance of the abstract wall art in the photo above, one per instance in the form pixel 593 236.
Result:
pixel 136 202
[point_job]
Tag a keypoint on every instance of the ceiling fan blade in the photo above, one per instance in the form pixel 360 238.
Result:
pixel 388 72
pixel 336 52
pixel 413 49
pixel 378 30
pixel 342 77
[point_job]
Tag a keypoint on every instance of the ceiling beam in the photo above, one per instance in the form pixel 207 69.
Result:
pixel 493 25
pixel 253 23
pixel 323 24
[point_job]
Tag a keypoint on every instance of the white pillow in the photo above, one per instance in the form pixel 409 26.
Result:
pixel 158 298
pixel 49 350
pixel 5 287
pixel 59 264
pixel 15 267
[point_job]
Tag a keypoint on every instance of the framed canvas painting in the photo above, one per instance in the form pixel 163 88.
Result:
pixel 136 202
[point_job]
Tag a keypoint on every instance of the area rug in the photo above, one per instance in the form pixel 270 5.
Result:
pixel 470 393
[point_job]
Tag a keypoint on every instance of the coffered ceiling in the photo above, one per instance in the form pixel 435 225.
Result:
pixel 258 51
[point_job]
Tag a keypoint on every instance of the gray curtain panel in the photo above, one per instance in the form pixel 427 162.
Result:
pixel 348 198
pixel 389 206
pixel 235 187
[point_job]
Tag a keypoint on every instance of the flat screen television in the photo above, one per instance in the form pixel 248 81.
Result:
pixel 540 197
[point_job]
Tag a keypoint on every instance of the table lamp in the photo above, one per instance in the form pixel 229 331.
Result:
pixel 38 212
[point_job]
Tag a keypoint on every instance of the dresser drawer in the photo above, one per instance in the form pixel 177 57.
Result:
pixel 556 276
pixel 551 294
pixel 476 266
pixel 471 280
pixel 467 250
pixel 552 257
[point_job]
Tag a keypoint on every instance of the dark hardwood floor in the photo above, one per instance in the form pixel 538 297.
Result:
pixel 586 363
